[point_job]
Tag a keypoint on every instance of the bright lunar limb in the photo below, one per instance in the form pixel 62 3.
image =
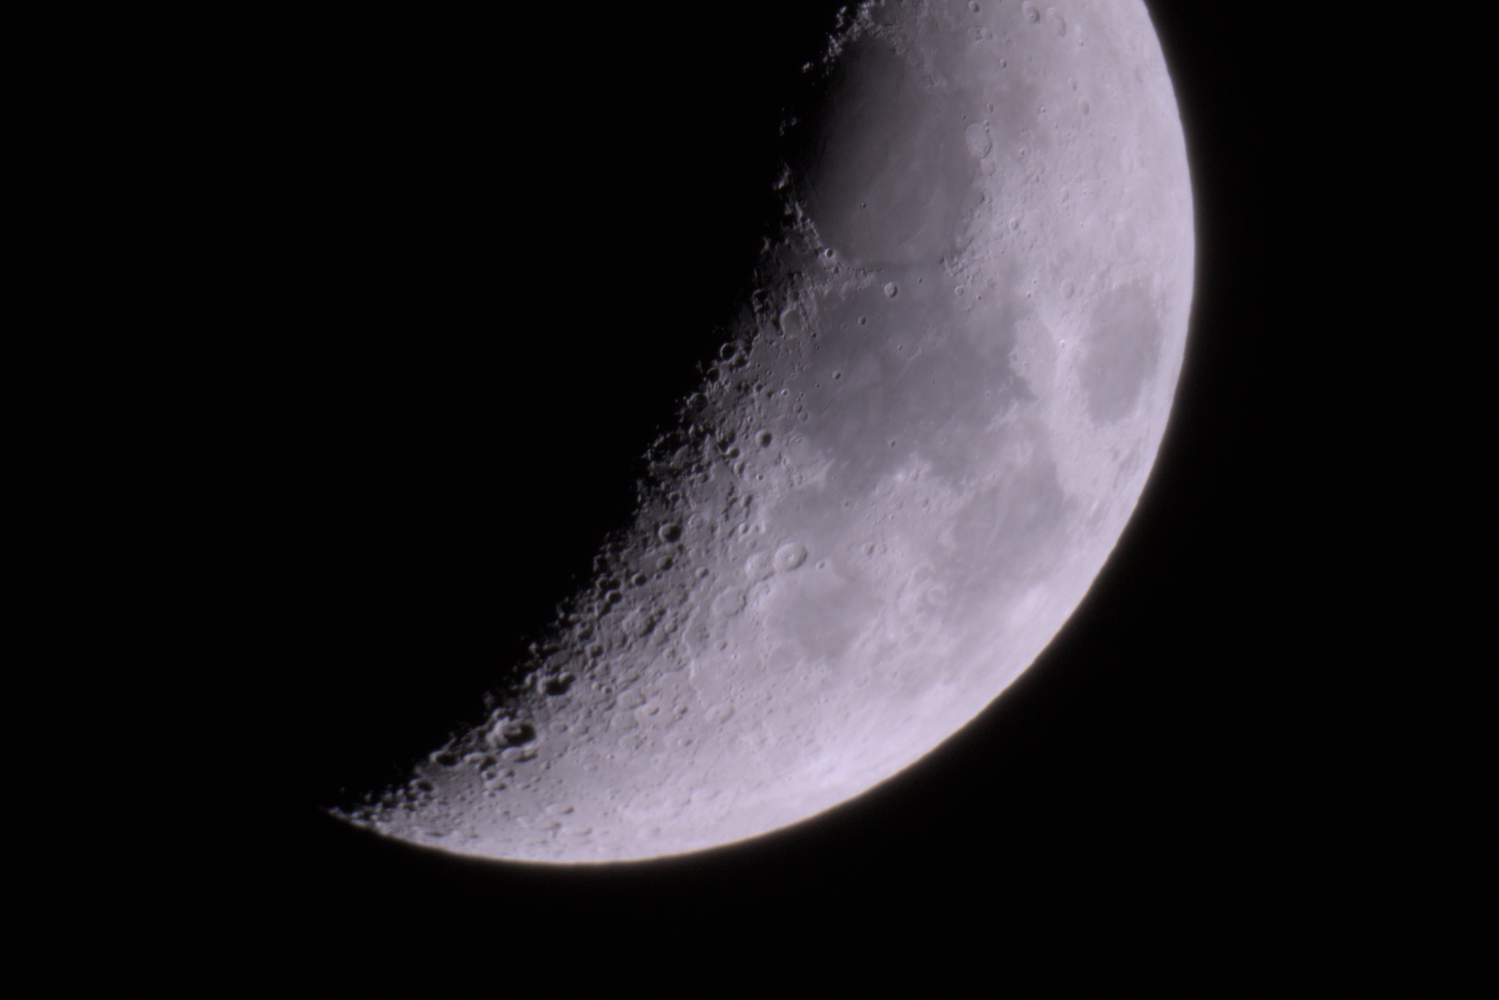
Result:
pixel 917 447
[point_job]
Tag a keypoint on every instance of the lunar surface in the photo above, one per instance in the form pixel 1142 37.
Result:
pixel 920 440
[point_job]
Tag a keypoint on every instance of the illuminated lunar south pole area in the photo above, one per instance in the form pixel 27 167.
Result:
pixel 919 443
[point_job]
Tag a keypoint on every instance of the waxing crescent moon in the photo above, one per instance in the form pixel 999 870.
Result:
pixel 917 446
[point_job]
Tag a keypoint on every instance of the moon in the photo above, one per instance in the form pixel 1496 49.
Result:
pixel 922 436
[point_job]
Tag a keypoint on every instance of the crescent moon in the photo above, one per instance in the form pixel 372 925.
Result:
pixel 915 449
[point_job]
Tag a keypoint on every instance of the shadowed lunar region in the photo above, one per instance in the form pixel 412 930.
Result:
pixel 917 446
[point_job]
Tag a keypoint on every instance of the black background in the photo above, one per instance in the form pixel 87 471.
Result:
pixel 409 297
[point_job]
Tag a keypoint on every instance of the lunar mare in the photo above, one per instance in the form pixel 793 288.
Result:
pixel 919 443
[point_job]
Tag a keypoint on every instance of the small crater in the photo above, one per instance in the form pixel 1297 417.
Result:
pixel 978 141
pixel 641 622
pixel 891 289
pixel 670 531
pixel 1032 14
pixel 782 660
pixel 759 566
pixel 556 685
pixel 728 603
pixel 509 732
pixel 790 556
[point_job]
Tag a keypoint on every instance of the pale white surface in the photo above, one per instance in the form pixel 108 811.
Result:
pixel 931 426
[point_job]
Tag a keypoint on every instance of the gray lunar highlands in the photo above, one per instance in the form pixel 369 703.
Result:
pixel 919 444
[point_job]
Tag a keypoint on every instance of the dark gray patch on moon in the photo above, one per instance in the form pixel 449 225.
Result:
pixel 889 172
pixel 1119 352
